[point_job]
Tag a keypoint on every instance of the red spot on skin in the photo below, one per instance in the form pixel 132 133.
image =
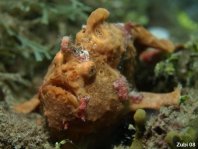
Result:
pixel 121 87
pixel 128 27
pixel 135 97
pixel 150 56
pixel 82 107
pixel 65 43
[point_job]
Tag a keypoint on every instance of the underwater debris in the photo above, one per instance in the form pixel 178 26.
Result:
pixel 187 137
pixel 172 121
pixel 20 131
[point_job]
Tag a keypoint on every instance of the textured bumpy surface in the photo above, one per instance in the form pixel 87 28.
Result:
pixel 83 91
pixel 22 131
